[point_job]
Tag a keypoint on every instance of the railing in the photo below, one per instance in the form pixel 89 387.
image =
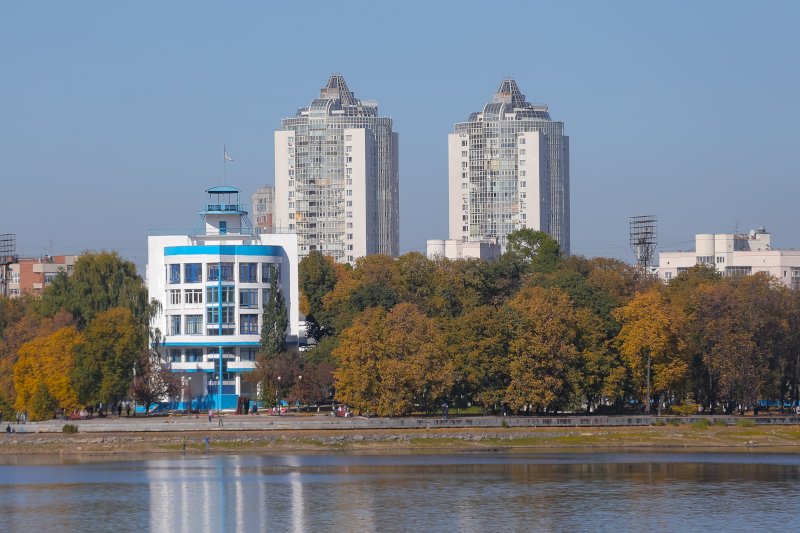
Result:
pixel 225 207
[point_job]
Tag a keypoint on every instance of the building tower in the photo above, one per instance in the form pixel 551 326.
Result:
pixel 263 208
pixel 336 177
pixel 643 237
pixel 213 284
pixel 509 169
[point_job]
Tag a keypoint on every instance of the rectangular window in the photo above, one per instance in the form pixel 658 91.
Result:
pixel 214 271
pixel 264 297
pixel 193 272
pixel 193 296
pixel 213 293
pixel 265 271
pixel 174 273
pixel 175 356
pixel 720 259
pixel 248 324
pixel 248 272
pixel 174 297
pixel 667 275
pixel 248 298
pixel 194 355
pixel 175 325
pixel 212 316
pixel 223 227
pixel 248 354
pixel 194 324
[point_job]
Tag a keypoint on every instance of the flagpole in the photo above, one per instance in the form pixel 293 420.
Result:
pixel 224 163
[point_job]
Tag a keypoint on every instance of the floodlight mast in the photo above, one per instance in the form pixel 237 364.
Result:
pixel 643 239
pixel 8 256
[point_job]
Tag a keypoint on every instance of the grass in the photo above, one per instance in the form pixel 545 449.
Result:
pixel 703 423
pixel 745 423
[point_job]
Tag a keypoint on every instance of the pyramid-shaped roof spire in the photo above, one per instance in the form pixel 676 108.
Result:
pixel 509 93
pixel 336 89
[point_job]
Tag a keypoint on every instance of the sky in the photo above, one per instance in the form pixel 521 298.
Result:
pixel 113 115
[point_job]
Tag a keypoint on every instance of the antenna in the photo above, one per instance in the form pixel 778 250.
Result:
pixel 643 238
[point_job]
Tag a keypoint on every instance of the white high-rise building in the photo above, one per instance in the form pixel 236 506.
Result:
pixel 336 177
pixel 509 169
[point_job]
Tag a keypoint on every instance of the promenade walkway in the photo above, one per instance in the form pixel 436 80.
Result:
pixel 316 422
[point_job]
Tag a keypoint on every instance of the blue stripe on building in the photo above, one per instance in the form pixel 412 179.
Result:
pixel 225 249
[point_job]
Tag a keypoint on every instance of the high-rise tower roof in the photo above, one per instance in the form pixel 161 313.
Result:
pixel 336 89
pixel 509 93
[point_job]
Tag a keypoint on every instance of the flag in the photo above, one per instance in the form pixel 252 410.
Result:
pixel 228 157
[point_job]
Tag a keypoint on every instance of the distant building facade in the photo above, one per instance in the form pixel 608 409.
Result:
pixel 458 249
pixel 735 255
pixel 336 177
pixel 508 170
pixel 27 275
pixel 263 208
pixel 213 287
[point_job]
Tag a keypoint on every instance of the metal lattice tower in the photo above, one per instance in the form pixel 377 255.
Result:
pixel 8 255
pixel 643 239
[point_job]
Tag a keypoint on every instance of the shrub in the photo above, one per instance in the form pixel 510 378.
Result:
pixel 687 408
pixel 69 428
pixel 504 423
pixel 703 423
pixel 745 422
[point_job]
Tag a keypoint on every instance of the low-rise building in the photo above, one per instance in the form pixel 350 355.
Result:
pixel 735 255
pixel 458 249
pixel 30 275
pixel 213 286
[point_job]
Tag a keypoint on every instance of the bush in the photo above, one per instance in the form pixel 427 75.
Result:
pixel 504 423
pixel 703 423
pixel 745 422
pixel 69 428
pixel 687 408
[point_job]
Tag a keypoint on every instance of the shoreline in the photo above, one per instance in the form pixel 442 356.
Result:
pixel 667 438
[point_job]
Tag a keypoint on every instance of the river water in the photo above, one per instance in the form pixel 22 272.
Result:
pixel 483 492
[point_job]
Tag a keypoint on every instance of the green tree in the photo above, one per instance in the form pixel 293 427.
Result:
pixel 42 404
pixel 537 250
pixel 104 362
pixel 317 276
pixel 275 319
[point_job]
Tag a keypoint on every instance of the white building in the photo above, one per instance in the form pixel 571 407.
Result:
pixel 213 285
pixel 508 170
pixel 336 177
pixel 735 255
pixel 458 249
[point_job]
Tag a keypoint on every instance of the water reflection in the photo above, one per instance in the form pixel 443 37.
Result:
pixel 466 492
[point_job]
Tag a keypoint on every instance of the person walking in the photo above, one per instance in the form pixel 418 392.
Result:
pixel 444 410
pixel 210 415
pixel 128 410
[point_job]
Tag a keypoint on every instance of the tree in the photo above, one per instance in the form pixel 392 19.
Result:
pixel 99 282
pixel 317 276
pixel 651 344
pixel 275 319
pixel 542 350
pixel 105 361
pixel 391 361
pixel 47 361
pixel 537 250
pixel 42 404
pixel 153 381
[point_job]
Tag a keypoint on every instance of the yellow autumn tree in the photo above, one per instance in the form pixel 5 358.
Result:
pixel 651 345
pixel 391 361
pixel 47 360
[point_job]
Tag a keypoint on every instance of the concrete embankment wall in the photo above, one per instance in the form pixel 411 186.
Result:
pixel 320 422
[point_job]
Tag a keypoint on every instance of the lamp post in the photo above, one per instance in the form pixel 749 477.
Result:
pixel 300 389
pixel 278 407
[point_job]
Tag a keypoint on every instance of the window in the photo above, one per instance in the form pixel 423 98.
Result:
pixel 214 271
pixel 174 273
pixel 193 272
pixel 264 297
pixel 667 275
pixel 194 324
pixel 248 298
pixel 248 272
pixel 248 354
pixel 213 316
pixel 175 325
pixel 174 297
pixel 175 356
pixel 223 227
pixel 193 296
pixel 348 149
pixel 738 271
pixel 523 183
pixel 349 203
pixel 348 137
pixel 265 271
pixel 705 259
pixel 194 355
pixel 522 151
pixel 522 140
pixel 213 293
pixel 720 259
pixel 248 324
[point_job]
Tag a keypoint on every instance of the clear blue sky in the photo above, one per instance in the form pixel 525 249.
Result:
pixel 113 114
